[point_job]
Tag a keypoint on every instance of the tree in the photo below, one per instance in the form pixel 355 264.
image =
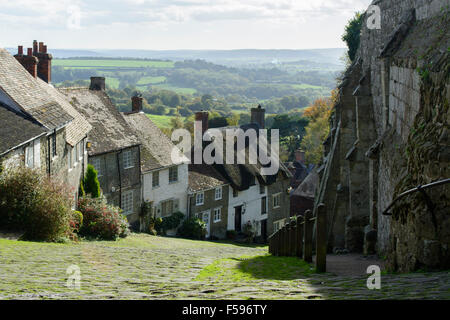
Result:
pixel 91 183
pixel 352 35
pixel 318 128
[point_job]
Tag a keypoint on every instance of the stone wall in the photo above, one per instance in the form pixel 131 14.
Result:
pixel 390 134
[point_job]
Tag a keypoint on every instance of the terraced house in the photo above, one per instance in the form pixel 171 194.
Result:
pixel 257 200
pixel 164 183
pixel 114 148
pixel 208 199
pixel 39 127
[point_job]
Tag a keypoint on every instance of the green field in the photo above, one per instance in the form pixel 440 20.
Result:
pixel 74 63
pixel 161 121
pixel 112 82
pixel 150 80
pixel 176 89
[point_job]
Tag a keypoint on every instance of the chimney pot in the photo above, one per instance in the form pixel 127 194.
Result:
pixel 35 47
pixel 20 50
pixel 41 47
pixel 30 52
pixel 136 104
pixel 203 117
pixel 300 156
pixel 45 49
pixel 258 116
pixel 97 84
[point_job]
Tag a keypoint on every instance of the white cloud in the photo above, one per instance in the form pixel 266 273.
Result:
pixel 178 19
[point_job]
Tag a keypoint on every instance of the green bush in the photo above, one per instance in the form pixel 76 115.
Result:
pixel 193 228
pixel 76 221
pixel 91 183
pixel 168 223
pixel 102 221
pixel 231 234
pixel 31 202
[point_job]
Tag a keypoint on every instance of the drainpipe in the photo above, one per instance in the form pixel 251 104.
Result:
pixel 48 155
pixel 120 178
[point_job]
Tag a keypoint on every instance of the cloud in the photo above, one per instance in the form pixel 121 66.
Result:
pixel 105 12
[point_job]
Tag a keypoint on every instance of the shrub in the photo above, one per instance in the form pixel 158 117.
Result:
pixel 91 183
pixel 76 221
pixel 231 234
pixel 102 221
pixel 248 232
pixel 171 222
pixel 193 228
pixel 31 202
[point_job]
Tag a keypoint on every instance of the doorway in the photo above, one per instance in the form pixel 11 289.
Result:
pixel 238 218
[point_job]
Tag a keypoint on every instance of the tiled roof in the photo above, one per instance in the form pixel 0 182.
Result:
pixel 156 146
pixel 16 129
pixel 110 131
pixel 40 99
pixel 28 94
pixel 79 127
pixel 204 177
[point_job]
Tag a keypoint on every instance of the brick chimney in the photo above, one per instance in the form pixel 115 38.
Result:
pixel 45 61
pixel 258 116
pixel 29 62
pixel 136 103
pixel 97 84
pixel 203 117
pixel 300 156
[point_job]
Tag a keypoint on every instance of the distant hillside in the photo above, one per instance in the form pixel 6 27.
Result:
pixel 227 57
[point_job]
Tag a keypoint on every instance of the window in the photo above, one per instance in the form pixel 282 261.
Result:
pixel 217 214
pixel 96 162
pixel 127 202
pixel 155 179
pixel 276 200
pixel 262 189
pixel 263 205
pixel 127 160
pixel 173 174
pixel 235 193
pixel 199 199
pixel 166 208
pixel 218 193
pixel 277 225
pixel 29 156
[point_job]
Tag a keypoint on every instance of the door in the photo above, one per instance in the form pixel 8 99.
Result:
pixel 207 219
pixel 237 218
pixel 264 230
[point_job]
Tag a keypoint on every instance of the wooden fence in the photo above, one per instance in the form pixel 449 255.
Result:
pixel 295 239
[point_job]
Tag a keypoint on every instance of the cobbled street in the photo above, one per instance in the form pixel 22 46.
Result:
pixel 148 267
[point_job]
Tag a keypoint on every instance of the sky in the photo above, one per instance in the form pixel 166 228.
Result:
pixel 177 24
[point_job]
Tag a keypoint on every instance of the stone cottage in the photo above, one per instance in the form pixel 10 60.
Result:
pixel 208 199
pixel 164 184
pixel 114 148
pixel 253 198
pixel 25 90
pixel 389 134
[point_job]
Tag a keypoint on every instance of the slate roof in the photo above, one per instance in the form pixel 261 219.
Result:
pixel 39 99
pixel 307 188
pixel 16 129
pixel 204 177
pixel 156 146
pixel 110 132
